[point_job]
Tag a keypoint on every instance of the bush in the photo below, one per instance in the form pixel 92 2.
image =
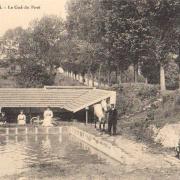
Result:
pixel 171 74
pixel 148 92
pixel 141 79
pixel 4 77
pixel 34 76
pixel 177 100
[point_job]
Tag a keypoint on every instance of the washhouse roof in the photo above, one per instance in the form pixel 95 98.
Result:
pixel 71 98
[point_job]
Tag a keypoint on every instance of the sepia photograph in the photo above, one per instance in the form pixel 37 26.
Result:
pixel 90 90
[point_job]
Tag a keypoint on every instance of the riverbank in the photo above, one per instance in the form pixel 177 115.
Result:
pixel 142 161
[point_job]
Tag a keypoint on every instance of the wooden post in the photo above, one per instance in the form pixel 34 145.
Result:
pixel 36 130
pixel 47 130
pixel 36 138
pixel 60 130
pixel 26 130
pixel 16 131
pixel 7 131
pixel 30 114
pixel 7 138
pixel 87 113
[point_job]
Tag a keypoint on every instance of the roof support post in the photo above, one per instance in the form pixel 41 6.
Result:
pixel 87 114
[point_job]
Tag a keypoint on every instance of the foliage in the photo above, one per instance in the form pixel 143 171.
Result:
pixel 172 79
pixel 35 47
pixel 150 69
pixel 177 99
pixel 102 38
pixel 147 92
pixel 34 75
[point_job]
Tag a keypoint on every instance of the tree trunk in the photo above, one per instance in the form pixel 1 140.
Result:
pixel 99 75
pixel 162 78
pixel 92 80
pixel 179 80
pixel 120 77
pixel 135 73
pixel 87 80
pixel 109 77
pixel 146 80
pixel 117 73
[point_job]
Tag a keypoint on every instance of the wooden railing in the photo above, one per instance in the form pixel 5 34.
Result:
pixel 27 130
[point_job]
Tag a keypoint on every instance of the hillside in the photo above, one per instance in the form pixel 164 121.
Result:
pixel 158 124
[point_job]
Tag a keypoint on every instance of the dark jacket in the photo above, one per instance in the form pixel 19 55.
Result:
pixel 113 115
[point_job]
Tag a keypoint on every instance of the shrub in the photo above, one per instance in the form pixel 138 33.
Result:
pixel 4 77
pixel 34 75
pixel 141 79
pixel 122 105
pixel 171 74
pixel 148 92
pixel 177 100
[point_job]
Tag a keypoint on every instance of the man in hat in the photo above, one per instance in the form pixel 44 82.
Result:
pixel 112 122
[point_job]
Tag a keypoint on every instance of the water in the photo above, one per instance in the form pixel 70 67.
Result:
pixel 52 157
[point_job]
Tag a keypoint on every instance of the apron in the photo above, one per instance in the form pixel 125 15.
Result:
pixel 47 119
pixel 21 119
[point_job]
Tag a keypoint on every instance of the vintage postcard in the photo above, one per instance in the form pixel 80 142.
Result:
pixel 89 89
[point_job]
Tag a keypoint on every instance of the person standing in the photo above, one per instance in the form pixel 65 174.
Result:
pixel 112 120
pixel 3 118
pixel 48 115
pixel 21 119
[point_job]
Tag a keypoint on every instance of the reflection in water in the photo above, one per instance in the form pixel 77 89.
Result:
pixel 46 144
pixel 44 155
pixel 7 139
pixel 26 138
pixel 11 156
pixel 16 139
pixel 60 138
pixel 36 138
pixel 91 150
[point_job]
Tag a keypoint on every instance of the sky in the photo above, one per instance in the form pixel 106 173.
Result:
pixel 11 17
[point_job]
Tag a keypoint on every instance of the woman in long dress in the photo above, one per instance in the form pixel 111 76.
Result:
pixel 21 119
pixel 48 115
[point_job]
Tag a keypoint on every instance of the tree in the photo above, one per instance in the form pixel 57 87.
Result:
pixel 38 45
pixel 34 75
pixel 162 15
pixel 46 35
pixel 85 23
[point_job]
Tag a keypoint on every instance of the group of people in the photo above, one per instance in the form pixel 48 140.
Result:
pixel 21 118
pixel 48 119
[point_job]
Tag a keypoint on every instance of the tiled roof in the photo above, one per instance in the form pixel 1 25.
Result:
pixel 87 99
pixel 70 98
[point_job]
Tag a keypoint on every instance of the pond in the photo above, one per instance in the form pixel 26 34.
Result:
pixel 58 156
